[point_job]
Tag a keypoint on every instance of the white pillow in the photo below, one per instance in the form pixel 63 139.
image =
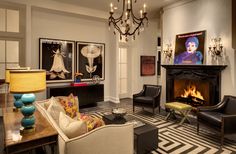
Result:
pixel 72 128
pixel 54 109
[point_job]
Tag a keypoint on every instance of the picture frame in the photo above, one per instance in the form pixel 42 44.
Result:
pixel 90 60
pixel 57 57
pixel 147 65
pixel 189 48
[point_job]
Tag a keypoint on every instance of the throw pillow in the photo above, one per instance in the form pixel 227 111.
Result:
pixel 70 105
pixel 92 122
pixel 72 128
pixel 54 109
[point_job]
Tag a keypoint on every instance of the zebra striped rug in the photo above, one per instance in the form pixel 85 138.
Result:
pixel 175 139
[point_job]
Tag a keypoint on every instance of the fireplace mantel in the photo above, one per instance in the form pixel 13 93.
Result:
pixel 202 67
pixel 210 73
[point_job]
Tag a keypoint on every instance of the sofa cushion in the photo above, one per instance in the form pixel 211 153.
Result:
pixel 72 128
pixel 143 99
pixel 54 109
pixel 70 105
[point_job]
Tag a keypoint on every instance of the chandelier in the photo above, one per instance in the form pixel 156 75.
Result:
pixel 127 24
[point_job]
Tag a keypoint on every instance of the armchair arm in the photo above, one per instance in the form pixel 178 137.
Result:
pixel 229 123
pixel 141 93
pixel 214 108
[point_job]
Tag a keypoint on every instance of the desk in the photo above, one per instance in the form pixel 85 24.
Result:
pixel 44 133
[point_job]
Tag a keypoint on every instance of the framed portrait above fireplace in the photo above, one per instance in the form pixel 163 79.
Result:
pixel 147 65
pixel 57 58
pixel 189 48
pixel 90 60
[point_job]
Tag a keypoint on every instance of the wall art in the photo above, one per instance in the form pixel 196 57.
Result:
pixel 57 58
pixel 90 60
pixel 189 48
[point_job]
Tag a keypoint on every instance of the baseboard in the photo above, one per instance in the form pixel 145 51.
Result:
pixel 112 99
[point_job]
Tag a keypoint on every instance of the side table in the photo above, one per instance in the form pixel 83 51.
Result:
pixel 44 133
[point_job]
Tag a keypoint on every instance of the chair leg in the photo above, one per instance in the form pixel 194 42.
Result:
pixel 159 109
pixel 222 141
pixel 197 127
pixel 153 111
pixel 133 108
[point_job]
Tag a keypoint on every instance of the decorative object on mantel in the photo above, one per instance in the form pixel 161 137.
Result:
pixel 78 76
pixel 189 48
pixel 216 51
pixel 127 24
pixel 168 53
pixel 26 82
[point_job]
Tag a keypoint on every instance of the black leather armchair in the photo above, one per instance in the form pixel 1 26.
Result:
pixel 221 117
pixel 149 97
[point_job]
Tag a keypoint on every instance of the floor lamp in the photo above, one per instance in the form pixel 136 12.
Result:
pixel 27 82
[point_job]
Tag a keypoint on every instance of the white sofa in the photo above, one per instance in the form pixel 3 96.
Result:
pixel 108 139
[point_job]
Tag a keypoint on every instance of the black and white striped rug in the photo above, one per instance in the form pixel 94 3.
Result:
pixel 176 139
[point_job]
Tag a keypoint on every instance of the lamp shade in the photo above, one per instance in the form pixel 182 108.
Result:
pixel 27 81
pixel 7 72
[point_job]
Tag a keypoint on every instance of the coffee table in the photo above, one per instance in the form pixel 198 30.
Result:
pixel 145 135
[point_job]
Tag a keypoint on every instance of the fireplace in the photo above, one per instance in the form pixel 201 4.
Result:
pixel 197 85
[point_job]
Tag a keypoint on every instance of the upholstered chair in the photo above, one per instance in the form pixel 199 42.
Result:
pixel 221 117
pixel 148 97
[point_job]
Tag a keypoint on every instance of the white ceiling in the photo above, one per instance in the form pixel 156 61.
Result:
pixel 153 6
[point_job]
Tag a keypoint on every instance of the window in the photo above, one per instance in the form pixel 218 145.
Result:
pixel 12 36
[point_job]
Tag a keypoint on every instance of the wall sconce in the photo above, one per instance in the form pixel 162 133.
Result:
pixel 216 48
pixel 168 52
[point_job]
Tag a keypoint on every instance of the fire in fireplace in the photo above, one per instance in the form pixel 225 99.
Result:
pixel 193 92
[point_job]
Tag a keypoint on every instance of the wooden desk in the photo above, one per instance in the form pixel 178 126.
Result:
pixel 44 133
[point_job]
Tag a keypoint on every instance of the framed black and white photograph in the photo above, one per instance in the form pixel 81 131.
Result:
pixel 57 57
pixel 90 60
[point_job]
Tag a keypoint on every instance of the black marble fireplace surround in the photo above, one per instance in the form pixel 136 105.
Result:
pixel 210 74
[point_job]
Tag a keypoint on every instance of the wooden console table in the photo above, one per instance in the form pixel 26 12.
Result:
pixel 44 133
pixel 88 94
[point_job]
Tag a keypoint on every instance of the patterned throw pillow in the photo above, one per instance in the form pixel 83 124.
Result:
pixel 92 122
pixel 70 105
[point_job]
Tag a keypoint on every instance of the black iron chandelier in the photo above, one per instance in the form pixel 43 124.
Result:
pixel 127 24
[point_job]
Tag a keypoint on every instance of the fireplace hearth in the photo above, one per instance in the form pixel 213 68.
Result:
pixel 197 85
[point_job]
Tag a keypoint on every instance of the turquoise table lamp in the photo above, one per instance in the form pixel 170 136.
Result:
pixel 26 82
pixel 17 102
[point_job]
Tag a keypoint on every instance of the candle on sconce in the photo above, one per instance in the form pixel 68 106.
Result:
pixel 128 4
pixel 144 8
pixel 141 13
pixel 111 5
pixel 126 15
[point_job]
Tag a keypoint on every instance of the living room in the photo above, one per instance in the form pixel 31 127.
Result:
pixel 86 22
